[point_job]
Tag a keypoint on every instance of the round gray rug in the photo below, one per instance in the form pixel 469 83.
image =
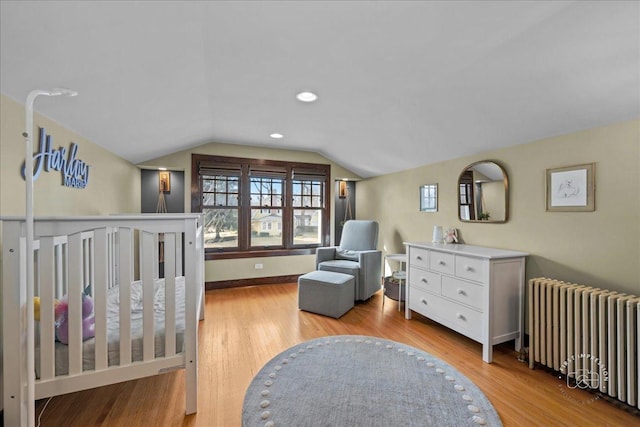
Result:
pixel 353 380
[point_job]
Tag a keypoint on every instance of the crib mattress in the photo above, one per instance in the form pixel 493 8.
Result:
pixel 113 329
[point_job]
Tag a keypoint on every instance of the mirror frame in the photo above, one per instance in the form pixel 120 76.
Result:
pixel 506 193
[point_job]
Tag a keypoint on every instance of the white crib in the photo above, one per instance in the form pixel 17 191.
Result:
pixel 151 329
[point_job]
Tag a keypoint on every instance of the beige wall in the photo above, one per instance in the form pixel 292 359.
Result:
pixel 114 183
pixel 600 248
pixel 244 268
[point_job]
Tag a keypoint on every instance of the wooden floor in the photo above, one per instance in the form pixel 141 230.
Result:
pixel 245 327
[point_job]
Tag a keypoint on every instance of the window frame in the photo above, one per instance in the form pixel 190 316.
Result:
pixel 244 249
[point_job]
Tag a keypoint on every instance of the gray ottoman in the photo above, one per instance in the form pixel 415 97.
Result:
pixel 326 292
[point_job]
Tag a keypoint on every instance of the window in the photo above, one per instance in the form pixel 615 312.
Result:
pixel 220 207
pixel 308 207
pixel 260 207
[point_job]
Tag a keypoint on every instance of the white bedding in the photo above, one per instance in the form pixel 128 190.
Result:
pixel 113 329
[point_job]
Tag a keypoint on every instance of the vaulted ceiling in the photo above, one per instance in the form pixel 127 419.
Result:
pixel 400 83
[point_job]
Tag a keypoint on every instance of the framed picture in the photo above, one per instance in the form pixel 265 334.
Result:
pixel 165 181
pixel 342 191
pixel 571 189
pixel 429 198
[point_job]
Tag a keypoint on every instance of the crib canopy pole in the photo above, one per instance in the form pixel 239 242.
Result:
pixel 28 174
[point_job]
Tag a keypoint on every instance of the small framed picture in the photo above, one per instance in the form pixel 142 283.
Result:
pixel 165 181
pixel 342 191
pixel 429 198
pixel 571 189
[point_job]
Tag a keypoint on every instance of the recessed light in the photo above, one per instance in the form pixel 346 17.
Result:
pixel 162 169
pixel 307 96
pixel 276 135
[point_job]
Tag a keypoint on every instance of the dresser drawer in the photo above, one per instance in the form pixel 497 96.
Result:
pixel 418 257
pixel 461 319
pixel 470 268
pixel 425 280
pixel 442 262
pixel 464 292
pixel 425 303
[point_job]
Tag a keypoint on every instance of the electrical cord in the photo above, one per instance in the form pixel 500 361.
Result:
pixel 42 410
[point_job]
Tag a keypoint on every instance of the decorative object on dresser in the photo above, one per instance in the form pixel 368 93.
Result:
pixel 437 234
pixel 451 235
pixel 474 290
pixel 590 335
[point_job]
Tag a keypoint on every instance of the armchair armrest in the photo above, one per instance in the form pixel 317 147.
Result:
pixel 370 272
pixel 371 261
pixel 325 254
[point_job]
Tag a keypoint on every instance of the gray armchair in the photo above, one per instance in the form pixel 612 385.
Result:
pixel 357 255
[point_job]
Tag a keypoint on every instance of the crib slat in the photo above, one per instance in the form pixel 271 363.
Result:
pixel 147 260
pixel 170 294
pixel 61 272
pixel 125 279
pixel 46 276
pixel 178 258
pixel 111 235
pixel 200 269
pixel 74 297
pixel 86 262
pixel 100 281
pixel 192 291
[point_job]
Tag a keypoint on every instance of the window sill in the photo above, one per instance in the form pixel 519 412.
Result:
pixel 209 256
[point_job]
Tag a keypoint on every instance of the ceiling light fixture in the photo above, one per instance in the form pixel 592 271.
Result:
pixel 276 136
pixel 307 96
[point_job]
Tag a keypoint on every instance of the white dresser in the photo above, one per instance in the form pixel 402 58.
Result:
pixel 474 290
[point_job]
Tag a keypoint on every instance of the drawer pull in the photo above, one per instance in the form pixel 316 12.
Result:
pixel 424 301
pixel 441 262
pixel 460 316
pixel 424 280
pixel 468 268
pixel 418 257
pixel 461 292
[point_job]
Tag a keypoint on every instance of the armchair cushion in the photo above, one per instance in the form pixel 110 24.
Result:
pixel 359 236
pixel 351 268
pixel 346 254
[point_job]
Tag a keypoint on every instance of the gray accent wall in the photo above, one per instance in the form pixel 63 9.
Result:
pixel 340 207
pixel 150 191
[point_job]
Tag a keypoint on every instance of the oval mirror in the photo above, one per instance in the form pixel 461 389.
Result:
pixel 483 193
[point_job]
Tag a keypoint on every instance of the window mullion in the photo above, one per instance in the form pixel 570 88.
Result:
pixel 244 234
pixel 287 211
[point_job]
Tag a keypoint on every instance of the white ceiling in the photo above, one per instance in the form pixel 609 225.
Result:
pixel 401 84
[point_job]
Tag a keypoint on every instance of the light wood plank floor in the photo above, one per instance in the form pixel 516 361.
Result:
pixel 245 327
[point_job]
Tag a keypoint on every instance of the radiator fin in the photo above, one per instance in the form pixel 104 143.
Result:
pixel 591 335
